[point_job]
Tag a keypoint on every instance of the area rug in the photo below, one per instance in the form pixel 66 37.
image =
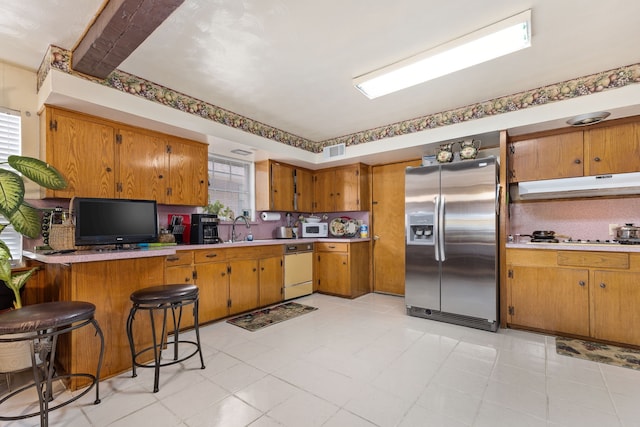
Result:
pixel 598 352
pixel 270 316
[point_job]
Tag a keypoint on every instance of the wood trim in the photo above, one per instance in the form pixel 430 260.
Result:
pixel 117 31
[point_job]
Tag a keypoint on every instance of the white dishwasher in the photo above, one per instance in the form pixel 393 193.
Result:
pixel 298 270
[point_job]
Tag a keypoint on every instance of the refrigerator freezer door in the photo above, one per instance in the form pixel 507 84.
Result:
pixel 469 271
pixel 422 270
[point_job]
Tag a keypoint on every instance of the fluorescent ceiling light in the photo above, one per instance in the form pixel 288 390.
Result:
pixel 501 38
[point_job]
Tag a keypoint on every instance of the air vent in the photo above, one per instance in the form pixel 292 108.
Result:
pixel 334 151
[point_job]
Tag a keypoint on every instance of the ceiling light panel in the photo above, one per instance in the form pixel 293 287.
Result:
pixel 499 39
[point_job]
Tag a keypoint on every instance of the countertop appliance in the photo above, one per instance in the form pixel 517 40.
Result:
pixel 315 229
pixel 298 270
pixel 451 242
pixel 204 229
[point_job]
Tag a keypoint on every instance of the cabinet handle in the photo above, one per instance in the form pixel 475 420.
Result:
pixel 187 280
pixel 596 159
pixel 172 258
pixel 332 247
pixel 255 269
pixel 211 255
pixel 581 283
pixel 160 176
pixel 108 169
pixel 577 161
pixel 603 285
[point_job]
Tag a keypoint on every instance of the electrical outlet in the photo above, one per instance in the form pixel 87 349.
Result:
pixel 612 229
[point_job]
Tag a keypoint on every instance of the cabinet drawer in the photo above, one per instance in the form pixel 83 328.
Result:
pixel 593 259
pixel 210 255
pixel 332 247
pixel 179 258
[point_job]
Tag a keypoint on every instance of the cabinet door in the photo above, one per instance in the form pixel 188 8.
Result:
pixel 271 280
pixel 347 188
pixel 551 299
pixel 556 156
pixel 304 190
pixel 213 283
pixel 84 152
pixel 188 175
pixel 243 286
pixel 323 191
pixel 614 149
pixel 333 273
pixel 142 166
pixel 281 187
pixel 614 306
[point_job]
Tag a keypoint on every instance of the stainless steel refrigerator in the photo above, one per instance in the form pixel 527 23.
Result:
pixel 451 217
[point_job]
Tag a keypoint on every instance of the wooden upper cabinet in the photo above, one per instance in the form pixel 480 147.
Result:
pixel 188 175
pixel 283 187
pixel 100 158
pixel 614 149
pixel 142 165
pixel 605 148
pixel 83 150
pixel 344 188
pixel 548 157
pixel 323 191
pixel 304 190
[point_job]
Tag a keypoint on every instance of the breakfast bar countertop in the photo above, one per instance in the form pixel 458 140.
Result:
pixel 93 255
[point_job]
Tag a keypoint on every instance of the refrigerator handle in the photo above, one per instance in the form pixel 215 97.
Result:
pixel 440 241
pixel 436 226
pixel 498 199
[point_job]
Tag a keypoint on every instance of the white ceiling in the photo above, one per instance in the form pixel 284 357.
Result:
pixel 290 63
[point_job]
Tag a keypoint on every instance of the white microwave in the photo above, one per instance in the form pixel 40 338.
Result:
pixel 315 229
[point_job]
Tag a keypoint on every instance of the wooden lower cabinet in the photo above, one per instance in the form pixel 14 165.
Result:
pixel 591 294
pixel 550 299
pixel 614 311
pixel 235 280
pixel 271 278
pixel 342 268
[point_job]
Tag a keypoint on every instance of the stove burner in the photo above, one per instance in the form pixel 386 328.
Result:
pixel 544 240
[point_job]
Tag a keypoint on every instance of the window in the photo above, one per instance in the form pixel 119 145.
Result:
pixel 10 143
pixel 231 183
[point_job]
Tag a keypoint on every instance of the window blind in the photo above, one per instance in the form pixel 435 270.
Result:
pixel 10 144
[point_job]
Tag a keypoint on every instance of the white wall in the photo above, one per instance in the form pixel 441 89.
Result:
pixel 18 92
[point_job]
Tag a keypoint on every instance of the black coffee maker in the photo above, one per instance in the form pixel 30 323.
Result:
pixel 204 229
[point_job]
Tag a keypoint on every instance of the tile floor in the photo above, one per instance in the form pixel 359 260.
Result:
pixel 360 363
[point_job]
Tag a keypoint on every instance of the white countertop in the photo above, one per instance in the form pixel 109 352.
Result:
pixel 109 255
pixel 602 247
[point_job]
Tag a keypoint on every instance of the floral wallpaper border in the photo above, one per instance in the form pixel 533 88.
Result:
pixel 60 59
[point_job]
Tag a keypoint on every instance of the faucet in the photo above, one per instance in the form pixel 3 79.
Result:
pixel 234 237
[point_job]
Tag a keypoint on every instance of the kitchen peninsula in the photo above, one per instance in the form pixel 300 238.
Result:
pixel 107 278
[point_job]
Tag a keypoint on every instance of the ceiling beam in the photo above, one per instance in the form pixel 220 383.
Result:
pixel 117 31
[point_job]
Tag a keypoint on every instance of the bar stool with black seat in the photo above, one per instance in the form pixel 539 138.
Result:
pixel 162 299
pixel 40 325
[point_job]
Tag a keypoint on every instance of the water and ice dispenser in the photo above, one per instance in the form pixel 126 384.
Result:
pixel 420 229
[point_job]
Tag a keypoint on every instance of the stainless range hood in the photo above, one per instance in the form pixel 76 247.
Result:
pixel 586 186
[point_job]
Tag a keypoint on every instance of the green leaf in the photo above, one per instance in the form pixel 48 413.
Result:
pixel 5 272
pixel 38 171
pixel 26 221
pixel 11 192
pixel 5 252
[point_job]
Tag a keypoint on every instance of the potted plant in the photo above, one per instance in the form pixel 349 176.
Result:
pixel 24 217
pixel 218 208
